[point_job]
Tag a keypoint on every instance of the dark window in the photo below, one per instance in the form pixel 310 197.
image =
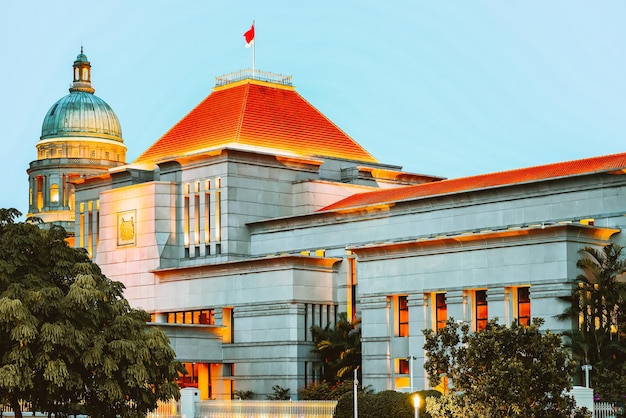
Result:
pixel 441 310
pixel 482 313
pixel 523 306
pixel 403 316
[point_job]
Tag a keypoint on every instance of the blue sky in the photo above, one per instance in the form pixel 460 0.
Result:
pixel 449 88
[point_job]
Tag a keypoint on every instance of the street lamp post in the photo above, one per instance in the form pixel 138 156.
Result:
pixel 416 405
pixel 410 360
pixel 356 390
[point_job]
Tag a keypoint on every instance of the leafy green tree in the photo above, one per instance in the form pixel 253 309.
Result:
pixel 338 348
pixel 502 371
pixel 597 310
pixel 69 341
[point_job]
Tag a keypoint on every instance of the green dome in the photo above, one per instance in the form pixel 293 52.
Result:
pixel 81 113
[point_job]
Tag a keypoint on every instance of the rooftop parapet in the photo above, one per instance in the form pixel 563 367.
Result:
pixel 250 74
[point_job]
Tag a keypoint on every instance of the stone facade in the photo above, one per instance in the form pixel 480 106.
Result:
pixel 259 241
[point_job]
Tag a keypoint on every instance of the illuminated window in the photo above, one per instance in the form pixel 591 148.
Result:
pixel 76 74
pixel 186 221
pixel 198 376
pixel 85 74
pixel 93 154
pixel 481 313
pixel 39 193
pixel 352 283
pixel 218 220
pixel 228 322
pixel 441 310
pixel 196 220
pixel 403 316
pixel 402 366
pixel 54 193
pixel 207 218
pixel 523 306
pixel 201 317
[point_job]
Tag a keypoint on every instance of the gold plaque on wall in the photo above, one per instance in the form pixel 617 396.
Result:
pixel 126 227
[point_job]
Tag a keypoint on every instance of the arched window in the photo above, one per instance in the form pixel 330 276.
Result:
pixel 54 193
pixel 85 74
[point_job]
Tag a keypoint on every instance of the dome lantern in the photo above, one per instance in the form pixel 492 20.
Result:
pixel 82 74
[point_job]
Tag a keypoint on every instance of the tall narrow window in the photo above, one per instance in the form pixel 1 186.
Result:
pixel 228 322
pixel 481 312
pixel 196 218
pixel 351 302
pixel 207 218
pixel 403 316
pixel 54 193
pixel 441 310
pixel 82 239
pixel 39 193
pixel 186 221
pixel 90 237
pixel 523 306
pixel 218 220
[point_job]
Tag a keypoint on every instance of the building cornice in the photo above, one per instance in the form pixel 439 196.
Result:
pixel 271 263
pixel 540 233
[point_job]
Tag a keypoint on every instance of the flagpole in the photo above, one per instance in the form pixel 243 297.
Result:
pixel 253 49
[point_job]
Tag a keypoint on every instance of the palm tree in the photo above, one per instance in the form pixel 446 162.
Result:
pixel 599 310
pixel 338 348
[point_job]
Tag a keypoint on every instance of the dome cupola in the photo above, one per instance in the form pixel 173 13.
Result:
pixel 81 113
pixel 80 137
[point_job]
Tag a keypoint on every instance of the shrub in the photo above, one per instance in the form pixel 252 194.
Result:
pixel 244 394
pixel 323 391
pixel 280 394
pixel 388 403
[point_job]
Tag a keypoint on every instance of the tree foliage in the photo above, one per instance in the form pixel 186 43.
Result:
pixel 501 371
pixel 69 341
pixel 338 348
pixel 598 312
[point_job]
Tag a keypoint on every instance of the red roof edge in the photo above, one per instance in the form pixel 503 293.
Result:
pixel 614 163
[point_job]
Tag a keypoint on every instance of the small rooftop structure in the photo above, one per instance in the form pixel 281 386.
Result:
pixel 250 74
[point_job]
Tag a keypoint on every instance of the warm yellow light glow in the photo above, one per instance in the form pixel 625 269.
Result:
pixel 416 401
pixel 54 193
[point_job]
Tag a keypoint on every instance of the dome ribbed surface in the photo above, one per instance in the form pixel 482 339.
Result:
pixel 81 114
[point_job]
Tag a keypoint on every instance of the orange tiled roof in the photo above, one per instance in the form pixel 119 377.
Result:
pixel 256 114
pixel 608 163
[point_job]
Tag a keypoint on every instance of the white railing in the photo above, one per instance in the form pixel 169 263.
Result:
pixel 169 409
pixel 603 410
pixel 265 409
pixel 254 75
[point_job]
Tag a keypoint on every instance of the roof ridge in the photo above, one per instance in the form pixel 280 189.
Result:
pixel 244 103
pixel 335 125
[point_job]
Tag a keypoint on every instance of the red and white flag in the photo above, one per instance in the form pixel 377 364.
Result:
pixel 249 36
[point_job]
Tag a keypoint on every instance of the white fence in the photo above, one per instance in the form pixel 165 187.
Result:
pixel 265 409
pixel 603 410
